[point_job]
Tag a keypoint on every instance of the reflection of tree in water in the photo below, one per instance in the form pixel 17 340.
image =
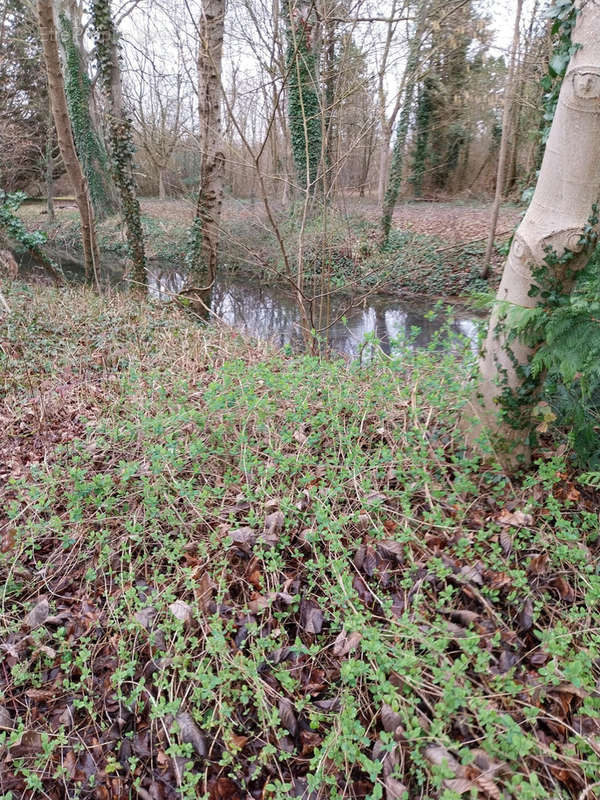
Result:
pixel 381 330
pixel 271 313
pixel 164 283
pixel 260 311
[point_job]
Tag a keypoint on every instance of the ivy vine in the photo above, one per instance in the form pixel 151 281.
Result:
pixel 304 110
pixel 564 15
pixel 91 152
pixel 423 125
pixel 122 148
pixel 31 241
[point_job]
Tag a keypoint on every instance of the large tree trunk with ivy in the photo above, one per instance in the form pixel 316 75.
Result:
pixel 304 111
pixel 91 152
pixel 566 191
pixel 60 113
pixel 397 164
pixel 423 128
pixel 207 223
pixel 120 132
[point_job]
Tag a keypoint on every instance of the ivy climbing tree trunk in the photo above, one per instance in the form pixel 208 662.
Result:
pixel 423 126
pixel 304 110
pixel 397 164
pixel 120 132
pixel 90 150
pixel 60 113
pixel 207 223
pixel 567 189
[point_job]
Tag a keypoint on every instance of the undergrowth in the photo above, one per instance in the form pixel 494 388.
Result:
pixel 228 573
pixel 340 250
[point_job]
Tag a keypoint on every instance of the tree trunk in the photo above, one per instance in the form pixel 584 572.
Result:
pixel 78 90
pixel 58 100
pixel 567 188
pixel 162 193
pixel 304 107
pixel 50 170
pixel 396 169
pixel 384 163
pixel 506 118
pixel 212 166
pixel 120 134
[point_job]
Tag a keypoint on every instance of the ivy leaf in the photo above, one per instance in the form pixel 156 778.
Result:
pixel 558 63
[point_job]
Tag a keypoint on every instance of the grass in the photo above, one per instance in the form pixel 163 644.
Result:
pixel 228 573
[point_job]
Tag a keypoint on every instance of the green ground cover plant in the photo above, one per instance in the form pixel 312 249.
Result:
pixel 231 573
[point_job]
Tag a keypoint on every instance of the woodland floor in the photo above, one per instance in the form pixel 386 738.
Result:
pixel 232 574
pixel 436 248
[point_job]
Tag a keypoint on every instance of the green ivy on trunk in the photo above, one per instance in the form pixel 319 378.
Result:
pixel 304 109
pixel 120 134
pixel 91 152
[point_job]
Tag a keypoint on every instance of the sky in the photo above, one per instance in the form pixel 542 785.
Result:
pixel 503 19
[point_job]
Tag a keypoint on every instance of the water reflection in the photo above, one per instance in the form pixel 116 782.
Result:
pixel 271 313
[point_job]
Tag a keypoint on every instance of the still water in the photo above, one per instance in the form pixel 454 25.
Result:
pixel 271 313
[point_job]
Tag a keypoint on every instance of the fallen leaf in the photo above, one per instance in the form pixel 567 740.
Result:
pixel 273 527
pixel 564 588
pixel 238 742
pixel 526 615
pixel 7 542
pixel 300 437
pixel 181 611
pixel 203 588
pixel 38 614
pixel 538 563
pixel 246 537
pixel 517 519
pixel 190 732
pixel 391 549
pixel 505 542
pixel 288 717
pixel 345 643
pixel 459 785
pixel 394 790
pixel 145 617
pixel 311 617
pixel 390 719
pixel 30 742
pixel 436 754
pixel 363 523
pixel 486 784
pixel 44 650
pixel 6 723
pixel 303 504
pixel 472 574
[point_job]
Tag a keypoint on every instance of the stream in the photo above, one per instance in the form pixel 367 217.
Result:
pixel 270 312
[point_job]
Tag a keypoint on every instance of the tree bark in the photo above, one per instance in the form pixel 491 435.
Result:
pixel 120 134
pixel 567 188
pixel 397 162
pixel 212 166
pixel 506 119
pixel 50 171
pixel 384 162
pixel 58 100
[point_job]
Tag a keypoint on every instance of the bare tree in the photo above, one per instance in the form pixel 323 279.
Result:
pixel 210 195
pixel 56 90
pixel 502 158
